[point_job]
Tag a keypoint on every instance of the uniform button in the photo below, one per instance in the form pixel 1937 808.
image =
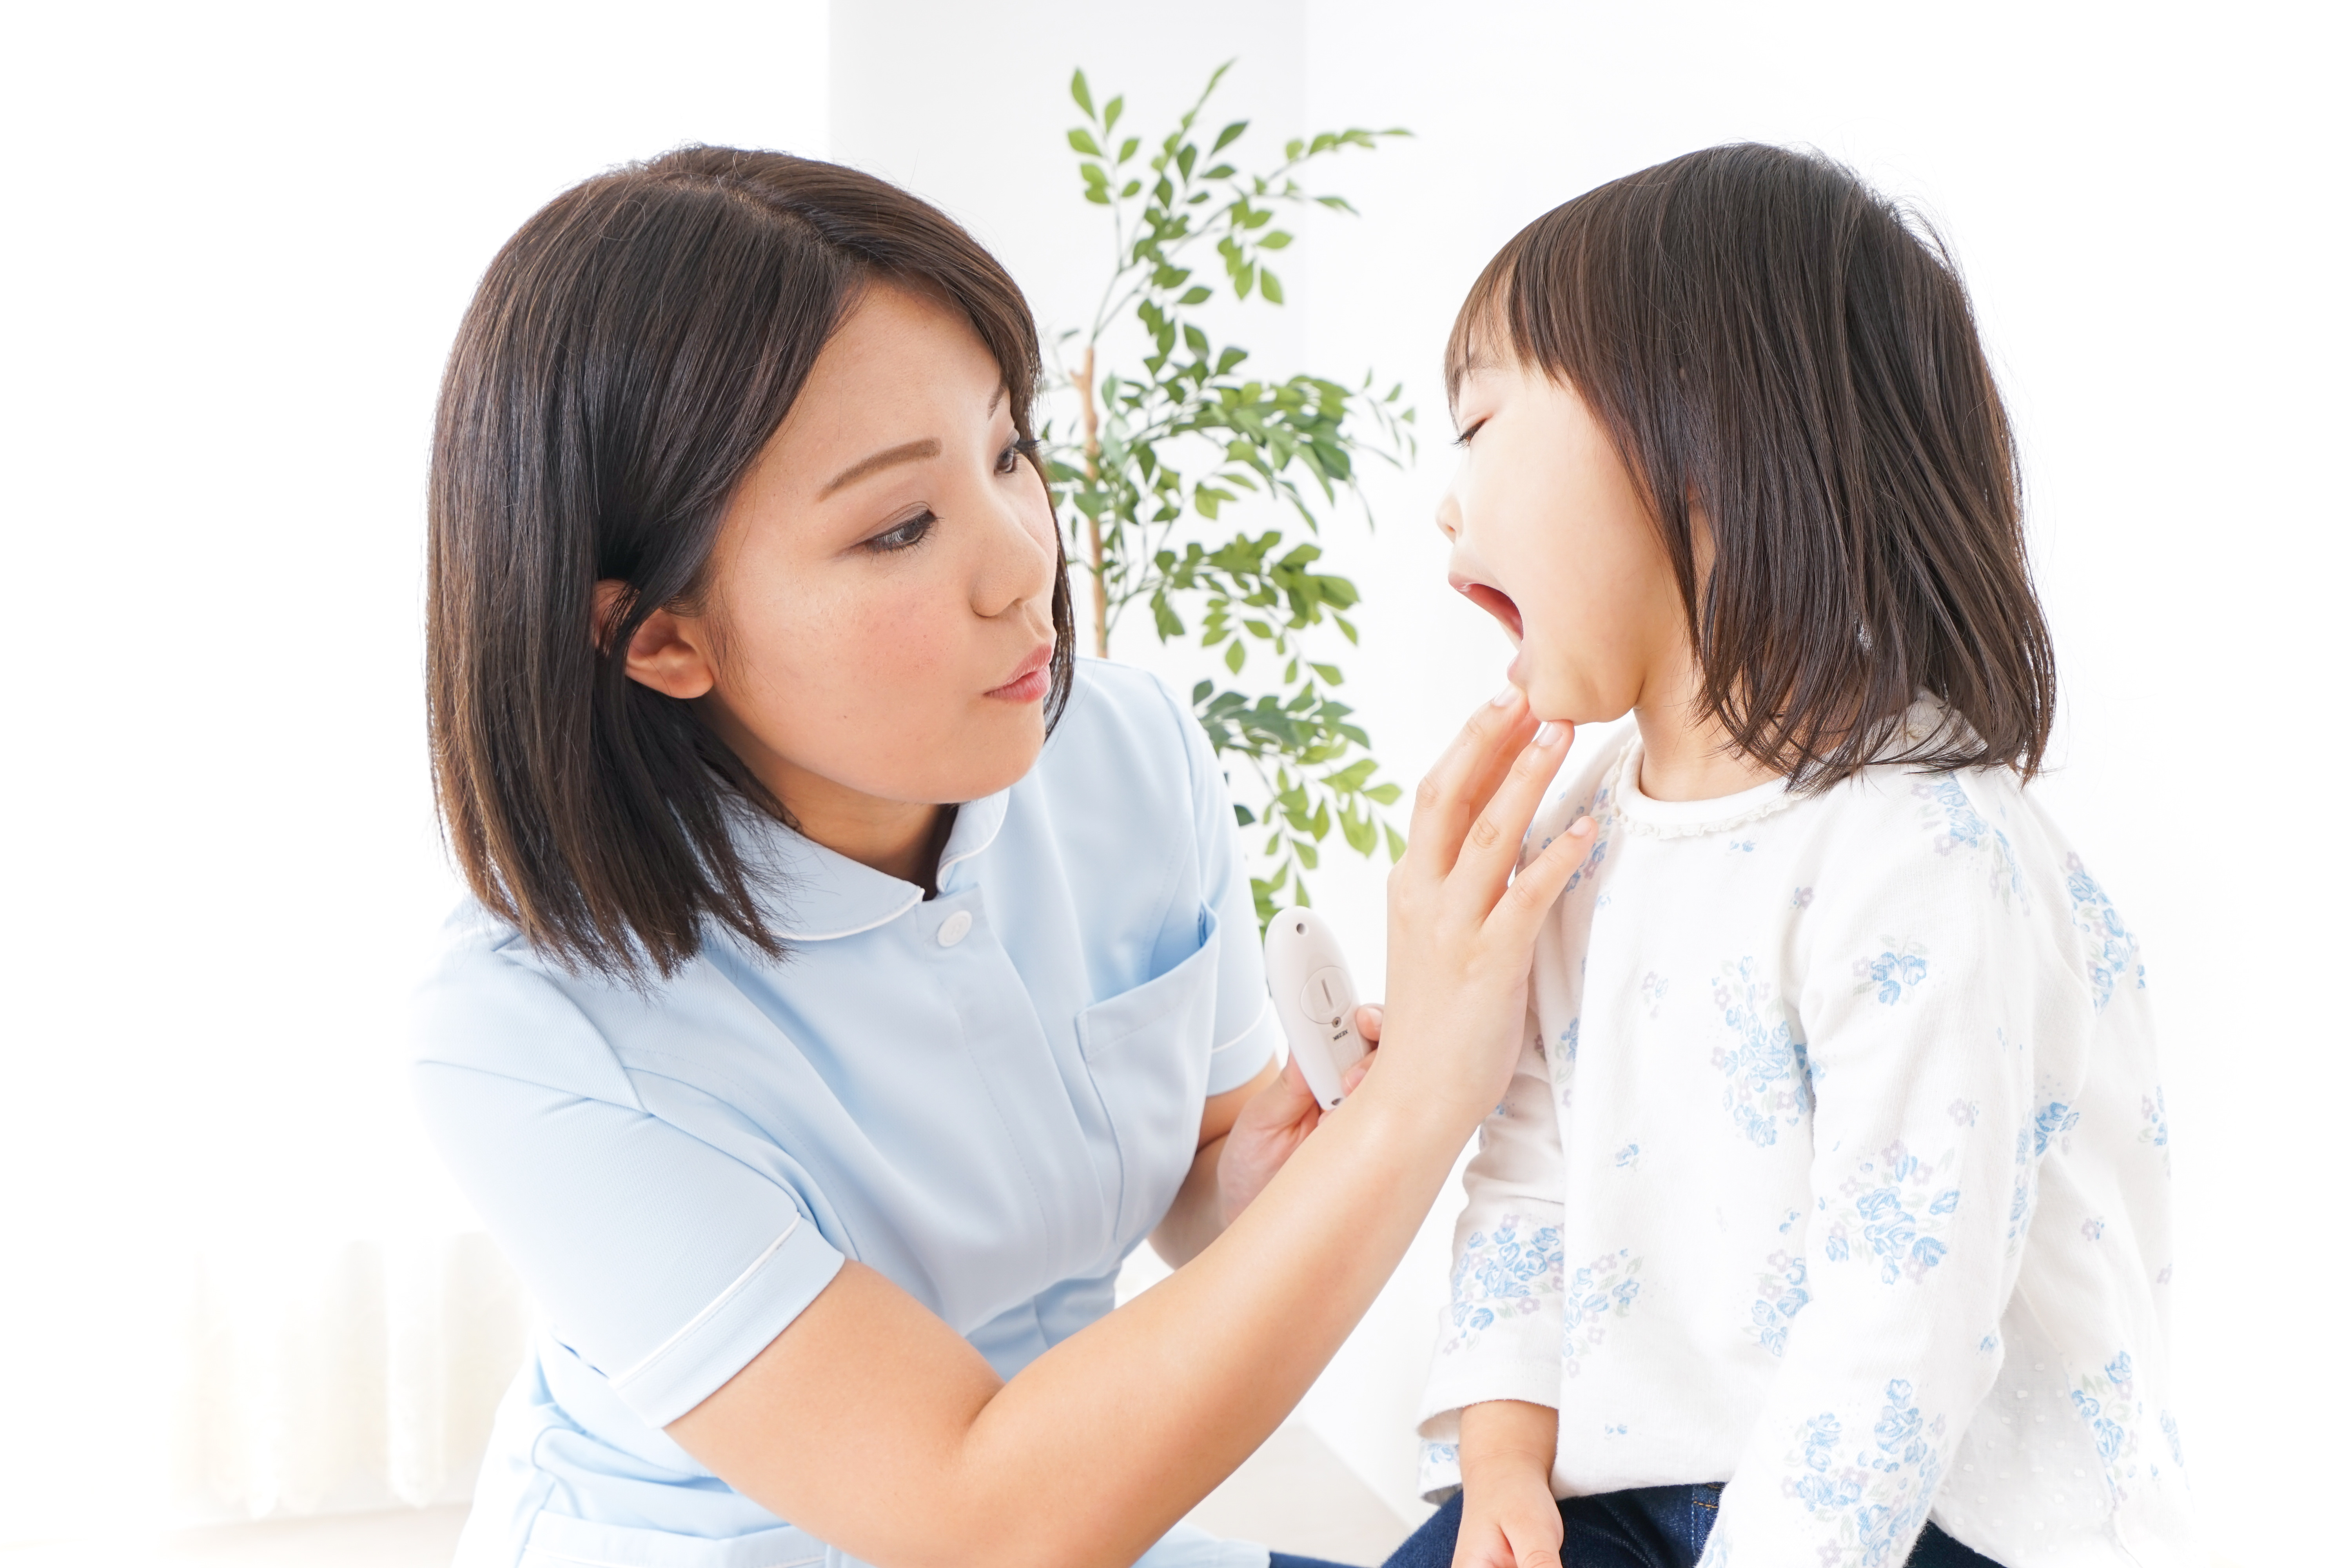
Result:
pixel 953 928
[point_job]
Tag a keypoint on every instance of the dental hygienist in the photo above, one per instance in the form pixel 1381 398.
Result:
pixel 850 981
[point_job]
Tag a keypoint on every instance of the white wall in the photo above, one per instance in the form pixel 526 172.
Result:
pixel 242 236
pixel 239 240
pixel 2148 203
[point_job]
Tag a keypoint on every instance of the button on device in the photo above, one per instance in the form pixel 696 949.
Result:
pixel 1327 997
pixel 955 928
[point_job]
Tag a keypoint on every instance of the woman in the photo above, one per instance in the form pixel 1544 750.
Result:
pixel 851 981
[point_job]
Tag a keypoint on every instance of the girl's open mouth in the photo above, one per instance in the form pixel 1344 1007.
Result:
pixel 1495 602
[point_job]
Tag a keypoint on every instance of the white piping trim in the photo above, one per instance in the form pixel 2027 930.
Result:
pixel 915 897
pixel 711 1310
pixel 1263 1008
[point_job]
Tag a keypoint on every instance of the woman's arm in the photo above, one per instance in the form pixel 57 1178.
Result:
pixel 873 1425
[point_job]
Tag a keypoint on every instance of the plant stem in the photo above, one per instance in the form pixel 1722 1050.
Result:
pixel 1085 384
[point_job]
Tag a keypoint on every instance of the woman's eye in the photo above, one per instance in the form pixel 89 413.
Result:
pixel 1014 450
pixel 1469 430
pixel 902 535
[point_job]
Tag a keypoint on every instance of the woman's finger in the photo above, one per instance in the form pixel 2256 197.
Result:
pixel 1355 1075
pixel 1519 912
pixel 1491 847
pixel 1461 778
pixel 1367 1022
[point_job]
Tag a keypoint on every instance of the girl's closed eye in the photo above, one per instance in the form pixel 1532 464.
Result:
pixel 1469 430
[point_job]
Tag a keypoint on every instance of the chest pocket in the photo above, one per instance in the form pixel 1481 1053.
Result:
pixel 1148 1052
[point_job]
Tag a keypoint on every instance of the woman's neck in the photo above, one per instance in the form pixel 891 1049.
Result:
pixel 895 837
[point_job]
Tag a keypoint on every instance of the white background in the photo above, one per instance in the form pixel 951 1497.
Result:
pixel 240 241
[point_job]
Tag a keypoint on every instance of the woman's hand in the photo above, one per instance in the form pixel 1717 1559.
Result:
pixel 1509 1517
pixel 1277 1121
pixel 1462 926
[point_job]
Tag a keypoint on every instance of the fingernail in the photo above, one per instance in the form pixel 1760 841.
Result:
pixel 1546 733
pixel 1503 699
pixel 1582 826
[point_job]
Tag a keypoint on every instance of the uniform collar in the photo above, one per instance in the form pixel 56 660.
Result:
pixel 817 895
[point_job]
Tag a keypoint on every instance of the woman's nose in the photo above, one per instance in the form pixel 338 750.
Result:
pixel 1019 558
pixel 1449 515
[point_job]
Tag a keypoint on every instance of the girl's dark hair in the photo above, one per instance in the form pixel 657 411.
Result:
pixel 629 353
pixel 1770 341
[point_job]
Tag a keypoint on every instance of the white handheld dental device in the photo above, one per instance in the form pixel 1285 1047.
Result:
pixel 1315 998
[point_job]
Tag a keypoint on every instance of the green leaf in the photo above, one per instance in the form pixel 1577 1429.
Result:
pixel 1270 286
pixel 1127 149
pixel 1078 90
pixel 1330 673
pixel 1227 137
pixel 1083 141
pixel 1274 241
pixel 1244 815
pixel 1184 159
pixel 1386 794
pixel 1196 295
pixel 1396 844
pixel 1110 112
pixel 1234 656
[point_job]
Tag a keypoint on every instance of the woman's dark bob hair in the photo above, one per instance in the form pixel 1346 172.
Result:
pixel 628 354
pixel 1772 344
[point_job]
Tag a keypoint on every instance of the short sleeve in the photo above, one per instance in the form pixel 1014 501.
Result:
pixel 1247 1034
pixel 663 1262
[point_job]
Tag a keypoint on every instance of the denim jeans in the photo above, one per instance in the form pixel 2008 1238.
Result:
pixel 1655 1527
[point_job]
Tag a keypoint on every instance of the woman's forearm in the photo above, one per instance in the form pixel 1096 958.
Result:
pixel 1160 1401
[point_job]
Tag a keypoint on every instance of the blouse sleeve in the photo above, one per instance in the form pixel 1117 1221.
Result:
pixel 1930 989
pixel 1499 1338
pixel 664 1262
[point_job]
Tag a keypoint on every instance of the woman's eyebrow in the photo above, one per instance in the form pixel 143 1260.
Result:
pixel 906 452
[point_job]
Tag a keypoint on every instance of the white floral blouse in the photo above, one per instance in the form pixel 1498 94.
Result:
pixel 1836 1168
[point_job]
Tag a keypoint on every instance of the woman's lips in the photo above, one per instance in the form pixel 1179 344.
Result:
pixel 1032 681
pixel 1497 604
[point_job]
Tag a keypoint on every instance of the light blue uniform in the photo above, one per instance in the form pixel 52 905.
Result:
pixel 990 1097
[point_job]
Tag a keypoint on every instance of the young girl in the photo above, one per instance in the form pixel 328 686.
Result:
pixel 1826 1221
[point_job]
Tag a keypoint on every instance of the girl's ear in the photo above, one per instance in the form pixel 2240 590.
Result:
pixel 668 652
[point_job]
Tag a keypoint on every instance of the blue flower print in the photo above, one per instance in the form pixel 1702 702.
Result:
pixel 2107 1401
pixel 1802 898
pixel 2109 949
pixel 1503 1273
pixel 1780 1295
pixel 1604 1289
pixel 1875 1495
pixel 1964 829
pixel 1653 992
pixel 1599 850
pixel 1893 1210
pixel 2022 1188
pixel 2052 1122
pixel 1629 1158
pixel 1440 1468
pixel 1900 968
pixel 2156 1133
pixel 2172 1439
pixel 1770 1082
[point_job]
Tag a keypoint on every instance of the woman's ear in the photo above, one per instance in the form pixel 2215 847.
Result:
pixel 668 653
